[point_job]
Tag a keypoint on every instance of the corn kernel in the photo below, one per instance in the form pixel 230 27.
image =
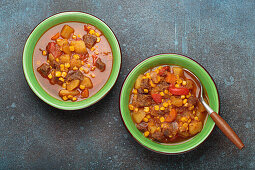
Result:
pixel 186 104
pixel 70 96
pixel 62 67
pixel 194 112
pixel 152 84
pixel 158 128
pixel 148 116
pixel 165 104
pixel 177 85
pixel 144 77
pixel 185 125
pixel 189 120
pixel 156 107
pixel 44 53
pixel 147 75
pixel 184 101
pixel 58 74
pixel 146 90
pixel 145 119
pixel 86 71
pixel 81 68
pixel 162 119
pixel 82 87
pixel 74 99
pixel 97 34
pixel 64 98
pixel 162 108
pixel 48 61
pixel 79 35
pixel 76 56
pixel 57 60
pixel 135 91
pixel 157 71
pixel 166 91
pixel 191 107
pixel 88 65
pixel 58 40
pixel 146 134
pixel 64 85
pixel 74 37
pixel 61 79
pixel 96 52
pixel 136 110
pixel 92 75
pixel 187 96
pixel 82 63
pixel 131 107
pixel 162 93
pixel 160 67
pixel 75 68
pixel 179 81
pixel 146 109
pixel 92 32
pixel 50 67
pixel 184 82
pixel 92 49
pixel 162 125
pixel 182 96
pixel 184 119
pixel 50 76
pixel 196 118
pixel 98 39
pixel 67 65
pixel 71 48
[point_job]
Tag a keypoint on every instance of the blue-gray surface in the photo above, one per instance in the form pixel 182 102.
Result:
pixel 218 34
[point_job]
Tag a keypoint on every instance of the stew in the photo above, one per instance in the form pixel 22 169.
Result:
pixel 164 105
pixel 72 61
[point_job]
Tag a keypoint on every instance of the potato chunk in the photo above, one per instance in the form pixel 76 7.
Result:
pixel 195 127
pixel 87 83
pixel 66 49
pixel 67 92
pixel 62 42
pixel 138 81
pixel 176 101
pixel 64 58
pixel 73 84
pixel 178 71
pixel 75 63
pixel 138 116
pixel 79 46
pixel 66 31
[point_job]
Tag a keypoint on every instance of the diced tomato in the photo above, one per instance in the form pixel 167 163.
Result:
pixel 86 28
pixel 172 116
pixel 55 36
pixel 170 78
pixel 163 70
pixel 54 49
pixel 94 59
pixel 157 98
pixel 179 91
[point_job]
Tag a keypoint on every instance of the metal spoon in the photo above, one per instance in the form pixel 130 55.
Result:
pixel 219 121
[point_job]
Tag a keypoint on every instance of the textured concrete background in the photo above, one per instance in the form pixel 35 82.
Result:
pixel 218 34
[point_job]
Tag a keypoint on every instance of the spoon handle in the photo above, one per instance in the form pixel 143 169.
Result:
pixel 227 130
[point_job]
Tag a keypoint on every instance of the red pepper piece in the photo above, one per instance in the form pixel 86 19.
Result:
pixel 179 91
pixel 157 98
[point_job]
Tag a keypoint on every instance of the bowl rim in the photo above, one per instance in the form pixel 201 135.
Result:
pixel 25 69
pixel 161 152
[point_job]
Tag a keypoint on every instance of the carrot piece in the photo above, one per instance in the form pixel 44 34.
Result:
pixel 172 116
pixel 85 93
pixel 170 78
pixel 55 36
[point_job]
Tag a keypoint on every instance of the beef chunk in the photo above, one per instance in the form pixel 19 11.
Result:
pixel 44 70
pixel 170 129
pixel 145 84
pixel 54 64
pixel 192 100
pixel 142 126
pixel 158 136
pixel 54 49
pixel 75 75
pixel 143 100
pixel 100 65
pixel 90 40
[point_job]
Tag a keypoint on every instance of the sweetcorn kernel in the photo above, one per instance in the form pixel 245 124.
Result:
pixel 184 119
pixel 135 91
pixel 86 71
pixel 57 60
pixel 146 90
pixel 145 119
pixel 71 48
pixel 88 65
pixel 146 109
pixel 187 96
pixel 158 128
pixel 136 109
pixel 82 63
pixel 76 56
pixel 196 118
pixel 165 104
pixel 162 119
pixel 58 74
pixel 161 93
pixel 92 32
pixel 152 84
pixel 93 68
pixel 191 107
pixel 182 96
pixel 162 108
pixel 61 79
pixel 177 85
pixel 64 98
pixel 156 107
pixel 79 35
pixel 131 107
pixel 184 101
pixel 186 104
pixel 98 39
pixel 82 87
pixel 81 68
pixel 148 116
pixel 67 65
pixel 184 82
pixel 75 68
pixel 92 49
pixel 166 91
pixel 50 76
pixel 74 37
pixel 62 67
pixel 64 85
pixel 97 34
pixel 74 98
pixel 44 53
pixel 146 134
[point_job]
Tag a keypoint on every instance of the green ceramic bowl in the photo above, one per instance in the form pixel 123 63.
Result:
pixel 39 31
pixel 171 59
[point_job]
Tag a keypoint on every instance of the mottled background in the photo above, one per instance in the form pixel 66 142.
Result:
pixel 219 34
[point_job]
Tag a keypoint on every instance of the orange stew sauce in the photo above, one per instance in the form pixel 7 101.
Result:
pixel 72 61
pixel 164 105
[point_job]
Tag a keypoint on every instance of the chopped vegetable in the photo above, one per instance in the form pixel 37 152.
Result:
pixel 66 32
pixel 179 91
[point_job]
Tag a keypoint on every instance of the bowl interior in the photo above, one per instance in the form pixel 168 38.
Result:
pixel 39 31
pixel 171 59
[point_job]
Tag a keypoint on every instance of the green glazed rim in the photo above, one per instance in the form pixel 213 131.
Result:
pixel 58 19
pixel 171 59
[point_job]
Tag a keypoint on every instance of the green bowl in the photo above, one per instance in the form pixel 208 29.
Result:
pixel 41 29
pixel 171 59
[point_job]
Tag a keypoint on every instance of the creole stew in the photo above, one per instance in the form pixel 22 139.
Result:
pixel 72 61
pixel 164 105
